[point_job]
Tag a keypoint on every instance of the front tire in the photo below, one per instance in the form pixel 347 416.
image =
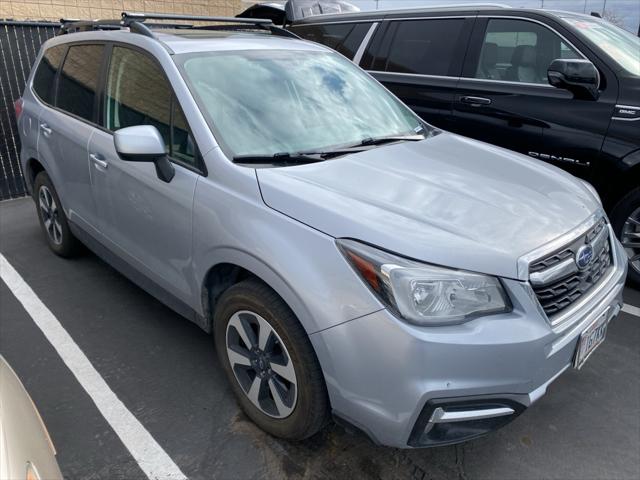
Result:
pixel 269 360
pixel 625 219
pixel 52 218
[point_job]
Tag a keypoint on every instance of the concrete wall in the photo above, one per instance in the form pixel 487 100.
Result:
pixel 86 9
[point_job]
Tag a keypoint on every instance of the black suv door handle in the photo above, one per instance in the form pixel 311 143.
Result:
pixel 476 101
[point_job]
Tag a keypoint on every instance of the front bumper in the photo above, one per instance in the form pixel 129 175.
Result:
pixel 389 378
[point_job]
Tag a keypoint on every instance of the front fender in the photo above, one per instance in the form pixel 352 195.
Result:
pixel 303 265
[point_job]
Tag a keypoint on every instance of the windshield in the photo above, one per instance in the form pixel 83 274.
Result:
pixel 620 45
pixel 272 101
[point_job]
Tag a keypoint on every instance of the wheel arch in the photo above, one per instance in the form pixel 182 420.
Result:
pixel 33 167
pixel 625 181
pixel 230 266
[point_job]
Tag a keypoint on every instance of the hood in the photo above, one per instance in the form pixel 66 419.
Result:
pixel 447 200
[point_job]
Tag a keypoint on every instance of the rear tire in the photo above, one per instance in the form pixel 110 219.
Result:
pixel 52 218
pixel 625 219
pixel 275 374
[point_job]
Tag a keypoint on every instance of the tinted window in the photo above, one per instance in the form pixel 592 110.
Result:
pixel 137 93
pixel 520 51
pixel 343 37
pixel 182 145
pixel 43 80
pixel 79 80
pixel 422 46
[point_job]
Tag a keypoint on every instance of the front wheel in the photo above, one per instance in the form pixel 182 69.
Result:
pixel 626 223
pixel 270 362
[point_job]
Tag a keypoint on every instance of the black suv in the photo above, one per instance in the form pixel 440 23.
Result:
pixel 558 86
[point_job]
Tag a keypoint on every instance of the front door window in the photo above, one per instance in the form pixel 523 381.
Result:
pixel 520 51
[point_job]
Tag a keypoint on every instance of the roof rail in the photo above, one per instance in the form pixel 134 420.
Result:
pixel 129 18
pixel 68 25
pixel 134 21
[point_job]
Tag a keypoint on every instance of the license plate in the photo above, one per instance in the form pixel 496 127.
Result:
pixel 592 336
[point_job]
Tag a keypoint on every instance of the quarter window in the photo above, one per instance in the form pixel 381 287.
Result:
pixel 424 47
pixel 44 78
pixel 520 51
pixel 79 80
pixel 182 146
pixel 137 93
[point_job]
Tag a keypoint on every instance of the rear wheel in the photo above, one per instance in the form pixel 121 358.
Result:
pixel 626 223
pixel 52 217
pixel 270 362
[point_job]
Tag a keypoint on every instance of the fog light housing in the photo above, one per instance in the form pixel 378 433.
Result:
pixel 450 421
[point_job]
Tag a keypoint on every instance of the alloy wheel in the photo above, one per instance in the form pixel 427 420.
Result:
pixel 261 364
pixel 50 214
pixel 631 239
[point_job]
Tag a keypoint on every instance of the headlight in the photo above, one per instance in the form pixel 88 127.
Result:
pixel 592 189
pixel 425 294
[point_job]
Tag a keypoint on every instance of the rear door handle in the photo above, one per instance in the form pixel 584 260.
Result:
pixel 98 160
pixel 46 130
pixel 476 101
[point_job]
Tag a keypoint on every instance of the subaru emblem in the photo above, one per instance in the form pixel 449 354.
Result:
pixel 584 256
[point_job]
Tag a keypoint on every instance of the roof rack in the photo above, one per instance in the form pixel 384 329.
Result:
pixel 134 21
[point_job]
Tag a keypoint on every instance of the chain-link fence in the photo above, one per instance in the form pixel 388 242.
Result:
pixel 19 45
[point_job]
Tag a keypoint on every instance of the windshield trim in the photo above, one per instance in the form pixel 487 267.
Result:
pixel 181 59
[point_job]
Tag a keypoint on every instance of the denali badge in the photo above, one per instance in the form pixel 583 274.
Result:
pixel 557 158
pixel 584 256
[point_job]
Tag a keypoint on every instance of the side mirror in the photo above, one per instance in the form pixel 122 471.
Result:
pixel 580 77
pixel 143 143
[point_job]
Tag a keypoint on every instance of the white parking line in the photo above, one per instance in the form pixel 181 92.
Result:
pixel 630 309
pixel 151 458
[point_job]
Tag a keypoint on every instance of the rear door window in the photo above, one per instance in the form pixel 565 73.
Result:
pixel 44 78
pixel 342 37
pixel 78 80
pixel 425 47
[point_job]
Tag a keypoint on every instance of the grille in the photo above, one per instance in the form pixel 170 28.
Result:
pixel 560 293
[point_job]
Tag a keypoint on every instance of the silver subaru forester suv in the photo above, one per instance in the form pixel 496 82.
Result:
pixel 349 259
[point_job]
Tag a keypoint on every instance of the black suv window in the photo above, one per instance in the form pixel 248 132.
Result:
pixel 137 93
pixel 520 51
pixel 342 37
pixel 79 80
pixel 424 47
pixel 44 78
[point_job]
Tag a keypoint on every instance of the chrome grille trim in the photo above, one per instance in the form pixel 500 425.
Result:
pixel 558 270
pixel 557 281
pixel 555 245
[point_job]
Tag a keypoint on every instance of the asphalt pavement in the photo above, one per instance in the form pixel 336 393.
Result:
pixel 165 371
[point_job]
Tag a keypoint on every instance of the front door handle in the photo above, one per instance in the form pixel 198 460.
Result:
pixel 46 130
pixel 98 160
pixel 476 101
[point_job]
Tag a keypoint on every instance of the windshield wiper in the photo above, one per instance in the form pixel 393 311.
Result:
pixel 279 159
pixel 301 158
pixel 367 142
pixel 391 138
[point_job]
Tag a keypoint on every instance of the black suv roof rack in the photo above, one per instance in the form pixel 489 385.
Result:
pixel 134 21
